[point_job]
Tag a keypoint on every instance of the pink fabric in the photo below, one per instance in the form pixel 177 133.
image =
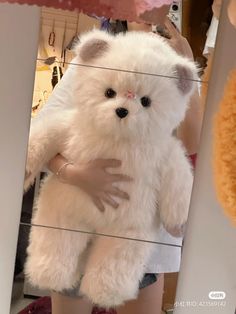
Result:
pixel 129 10
pixel 148 5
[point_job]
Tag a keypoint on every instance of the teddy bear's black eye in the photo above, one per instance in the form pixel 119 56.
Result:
pixel 146 101
pixel 110 93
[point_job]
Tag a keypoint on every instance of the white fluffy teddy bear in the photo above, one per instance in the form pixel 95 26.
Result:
pixel 126 105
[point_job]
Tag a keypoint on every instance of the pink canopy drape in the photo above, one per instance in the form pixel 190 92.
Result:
pixel 131 10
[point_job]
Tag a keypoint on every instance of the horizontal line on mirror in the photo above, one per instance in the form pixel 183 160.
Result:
pixel 100 234
pixel 122 70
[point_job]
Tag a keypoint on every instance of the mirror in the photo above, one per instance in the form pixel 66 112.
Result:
pixel 58 31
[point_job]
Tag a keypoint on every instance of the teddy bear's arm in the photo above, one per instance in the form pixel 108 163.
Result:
pixel 176 188
pixel 47 138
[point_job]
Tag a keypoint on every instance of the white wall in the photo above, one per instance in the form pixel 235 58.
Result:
pixel 209 259
pixel 19 26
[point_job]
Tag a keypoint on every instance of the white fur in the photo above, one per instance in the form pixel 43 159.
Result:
pixel 149 152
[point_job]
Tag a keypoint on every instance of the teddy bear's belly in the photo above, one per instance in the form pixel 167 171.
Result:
pixel 74 209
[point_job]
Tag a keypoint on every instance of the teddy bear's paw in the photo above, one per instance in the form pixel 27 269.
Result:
pixel 107 292
pixel 174 215
pixel 32 168
pixel 45 278
pixel 176 231
pixel 28 180
pixel 175 222
pixel 31 165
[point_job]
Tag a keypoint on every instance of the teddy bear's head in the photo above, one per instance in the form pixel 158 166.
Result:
pixel 131 85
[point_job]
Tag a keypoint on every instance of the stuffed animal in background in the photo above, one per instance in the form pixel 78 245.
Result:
pixel 224 157
pixel 124 114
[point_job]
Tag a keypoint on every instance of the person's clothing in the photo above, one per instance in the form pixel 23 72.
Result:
pixel 211 37
pixel 147 280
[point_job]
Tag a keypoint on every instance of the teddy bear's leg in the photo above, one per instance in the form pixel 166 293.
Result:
pixel 175 191
pixel 114 269
pixel 54 257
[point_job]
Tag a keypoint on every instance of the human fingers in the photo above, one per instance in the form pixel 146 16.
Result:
pixel 109 200
pixel 120 177
pixel 117 192
pixel 173 31
pixel 98 203
pixel 108 163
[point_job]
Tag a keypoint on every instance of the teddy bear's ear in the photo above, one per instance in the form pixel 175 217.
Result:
pixel 92 46
pixel 186 76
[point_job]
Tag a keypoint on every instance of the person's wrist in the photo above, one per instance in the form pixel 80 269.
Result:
pixel 74 175
pixel 64 172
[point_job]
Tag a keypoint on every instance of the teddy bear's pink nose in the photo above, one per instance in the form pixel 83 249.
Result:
pixel 122 112
pixel 129 94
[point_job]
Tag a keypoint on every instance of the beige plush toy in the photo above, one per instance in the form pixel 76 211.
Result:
pixel 129 94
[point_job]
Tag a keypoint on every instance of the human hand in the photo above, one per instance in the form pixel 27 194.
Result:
pixel 93 179
pixel 177 41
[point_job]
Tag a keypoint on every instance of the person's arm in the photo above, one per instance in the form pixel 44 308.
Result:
pixel 190 129
pixel 92 178
pixel 216 8
pixel 232 12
